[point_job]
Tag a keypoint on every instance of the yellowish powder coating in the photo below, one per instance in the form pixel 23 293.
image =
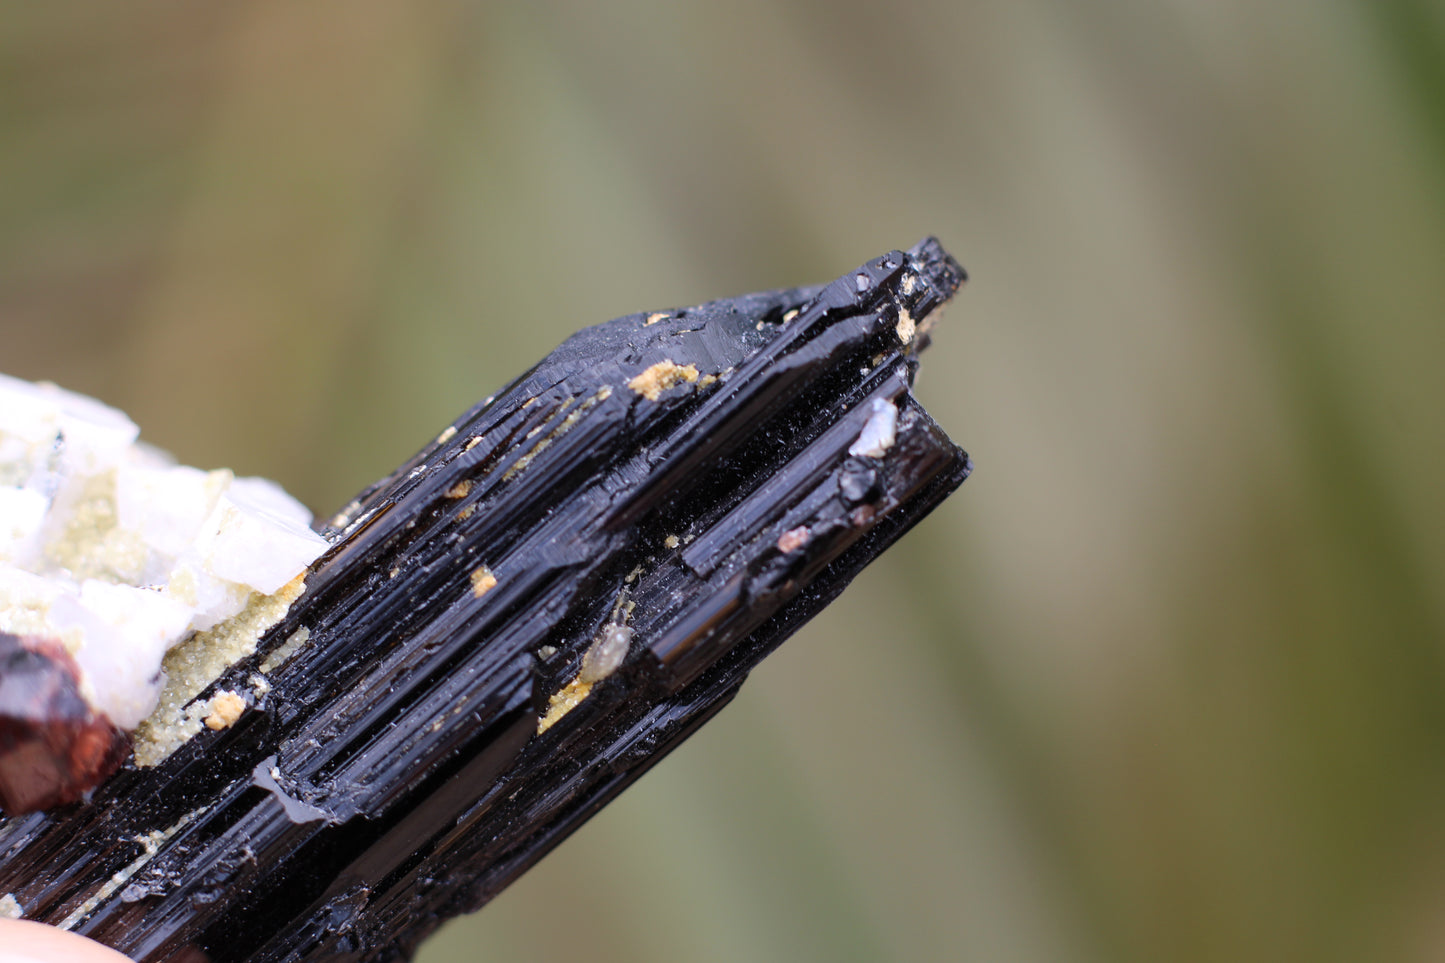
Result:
pixel 199 661
pixel 906 328
pixel 562 702
pixel 460 489
pixel 92 545
pixel 566 425
pixel 670 541
pixel 654 318
pixel 600 660
pixel 661 376
pixel 483 581
pixel 22 614
pixel 285 650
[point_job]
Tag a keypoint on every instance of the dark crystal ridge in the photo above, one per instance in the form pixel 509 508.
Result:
pixel 515 625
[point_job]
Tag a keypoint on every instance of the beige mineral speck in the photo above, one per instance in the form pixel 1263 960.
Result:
pixel 602 658
pixel 660 377
pixel 466 512
pixel 447 435
pixel 566 425
pixel 605 655
pixel 283 652
pixel 199 661
pixel 707 380
pixel 226 708
pixel 483 581
pixel 259 685
pixel 654 318
pixel 357 521
pixel 909 283
pixel 562 702
pixel 905 327
pixel 794 539
pixel 790 315
pixel 343 518
pixel 671 541
pixel 460 490
pixel 10 908
pixel 472 443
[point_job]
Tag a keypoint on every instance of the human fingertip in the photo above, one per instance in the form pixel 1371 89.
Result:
pixel 24 941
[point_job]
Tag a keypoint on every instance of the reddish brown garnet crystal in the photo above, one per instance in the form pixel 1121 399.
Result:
pixel 53 746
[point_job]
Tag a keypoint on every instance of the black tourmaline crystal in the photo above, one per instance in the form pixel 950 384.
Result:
pixel 515 625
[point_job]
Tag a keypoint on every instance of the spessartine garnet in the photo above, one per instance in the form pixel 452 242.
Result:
pixel 53 747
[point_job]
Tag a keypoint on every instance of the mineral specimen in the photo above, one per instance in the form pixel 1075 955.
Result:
pixel 514 626
pixel 110 555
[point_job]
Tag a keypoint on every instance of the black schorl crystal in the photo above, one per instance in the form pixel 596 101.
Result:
pixel 515 625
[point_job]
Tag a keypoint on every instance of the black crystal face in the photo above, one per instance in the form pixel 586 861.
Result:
pixel 516 624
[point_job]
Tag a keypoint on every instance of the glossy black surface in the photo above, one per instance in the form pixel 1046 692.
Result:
pixel 395 774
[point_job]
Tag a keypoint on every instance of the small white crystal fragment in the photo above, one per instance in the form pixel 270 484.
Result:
pixel 605 655
pixel 167 506
pixel 125 634
pixel 878 432
pixel 256 539
pixel 86 433
pixel 265 496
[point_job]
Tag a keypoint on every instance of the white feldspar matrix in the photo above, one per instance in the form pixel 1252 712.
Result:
pixel 111 549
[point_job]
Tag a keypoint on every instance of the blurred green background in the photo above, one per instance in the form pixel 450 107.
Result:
pixel 1163 682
